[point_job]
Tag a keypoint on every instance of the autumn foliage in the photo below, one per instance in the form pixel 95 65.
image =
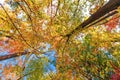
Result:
pixel 84 50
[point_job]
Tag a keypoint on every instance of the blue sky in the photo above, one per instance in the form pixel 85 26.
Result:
pixel 48 68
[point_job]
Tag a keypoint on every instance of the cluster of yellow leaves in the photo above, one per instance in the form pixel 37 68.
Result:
pixel 118 10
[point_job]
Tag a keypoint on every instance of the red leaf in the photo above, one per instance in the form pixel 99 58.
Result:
pixel 115 76
pixel 111 24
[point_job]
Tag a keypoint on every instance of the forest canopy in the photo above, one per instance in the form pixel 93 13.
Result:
pixel 60 40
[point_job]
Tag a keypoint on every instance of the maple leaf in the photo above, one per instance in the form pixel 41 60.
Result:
pixel 112 23
pixel 115 77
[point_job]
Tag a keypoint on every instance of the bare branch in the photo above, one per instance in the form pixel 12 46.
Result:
pixel 12 55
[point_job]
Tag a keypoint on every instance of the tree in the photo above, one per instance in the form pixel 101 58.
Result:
pixel 86 47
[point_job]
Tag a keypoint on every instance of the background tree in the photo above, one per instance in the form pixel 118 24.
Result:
pixel 89 51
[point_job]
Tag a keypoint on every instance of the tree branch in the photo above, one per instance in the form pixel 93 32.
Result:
pixel 12 55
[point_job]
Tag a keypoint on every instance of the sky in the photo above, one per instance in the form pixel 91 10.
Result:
pixel 1 1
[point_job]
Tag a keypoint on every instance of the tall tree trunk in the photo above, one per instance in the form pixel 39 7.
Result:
pixel 110 6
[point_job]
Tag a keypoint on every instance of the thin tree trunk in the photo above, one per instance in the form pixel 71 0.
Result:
pixel 12 55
